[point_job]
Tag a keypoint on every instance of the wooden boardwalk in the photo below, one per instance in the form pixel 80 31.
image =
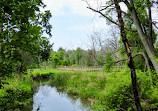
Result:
pixel 83 68
pixel 80 68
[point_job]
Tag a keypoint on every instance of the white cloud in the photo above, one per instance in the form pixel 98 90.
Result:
pixel 76 7
pixel 91 26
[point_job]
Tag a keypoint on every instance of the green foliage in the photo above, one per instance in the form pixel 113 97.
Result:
pixel 69 57
pixel 135 41
pixel 58 57
pixel 107 67
pixel 55 59
pixel 78 54
pixel 117 91
pixel 46 48
pixel 101 59
pixel 65 62
pixel 21 43
pixel 40 72
pixel 16 92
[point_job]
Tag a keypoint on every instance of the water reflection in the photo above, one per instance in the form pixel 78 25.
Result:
pixel 48 98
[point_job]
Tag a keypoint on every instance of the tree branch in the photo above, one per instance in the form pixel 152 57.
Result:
pixel 127 4
pixel 103 15
pixel 139 53
pixel 98 11
pixel 106 7
pixel 154 23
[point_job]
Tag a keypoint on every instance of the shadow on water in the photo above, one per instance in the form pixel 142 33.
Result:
pixel 48 98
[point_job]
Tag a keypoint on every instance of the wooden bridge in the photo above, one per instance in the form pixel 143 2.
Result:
pixel 84 68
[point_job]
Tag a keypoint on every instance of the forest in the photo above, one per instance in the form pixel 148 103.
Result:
pixel 127 81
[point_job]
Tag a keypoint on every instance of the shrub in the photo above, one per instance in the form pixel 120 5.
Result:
pixel 17 92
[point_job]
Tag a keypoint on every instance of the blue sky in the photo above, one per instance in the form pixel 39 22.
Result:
pixel 72 23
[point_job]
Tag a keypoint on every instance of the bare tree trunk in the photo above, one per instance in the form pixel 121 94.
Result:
pixel 1 48
pixel 130 58
pixel 150 21
pixel 146 42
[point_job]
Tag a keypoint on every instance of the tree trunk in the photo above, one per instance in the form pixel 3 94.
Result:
pixel 1 48
pixel 150 21
pixel 130 58
pixel 148 67
pixel 1 58
pixel 146 41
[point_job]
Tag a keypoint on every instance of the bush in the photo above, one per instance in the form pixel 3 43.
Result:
pixel 17 92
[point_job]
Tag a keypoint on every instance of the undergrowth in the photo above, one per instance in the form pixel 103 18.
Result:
pixel 16 92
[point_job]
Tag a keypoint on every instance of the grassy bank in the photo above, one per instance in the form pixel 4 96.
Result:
pixel 110 91
pixel 16 92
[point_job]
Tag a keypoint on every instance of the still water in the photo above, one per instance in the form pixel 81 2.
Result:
pixel 48 98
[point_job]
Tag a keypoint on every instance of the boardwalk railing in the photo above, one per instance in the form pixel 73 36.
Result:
pixel 84 68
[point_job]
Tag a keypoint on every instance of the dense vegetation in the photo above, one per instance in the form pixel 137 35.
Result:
pixel 16 93
pixel 107 91
pixel 23 48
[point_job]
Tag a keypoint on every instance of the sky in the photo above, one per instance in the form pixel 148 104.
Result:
pixel 72 23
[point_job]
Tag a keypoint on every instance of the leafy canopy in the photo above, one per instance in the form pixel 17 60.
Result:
pixel 21 28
